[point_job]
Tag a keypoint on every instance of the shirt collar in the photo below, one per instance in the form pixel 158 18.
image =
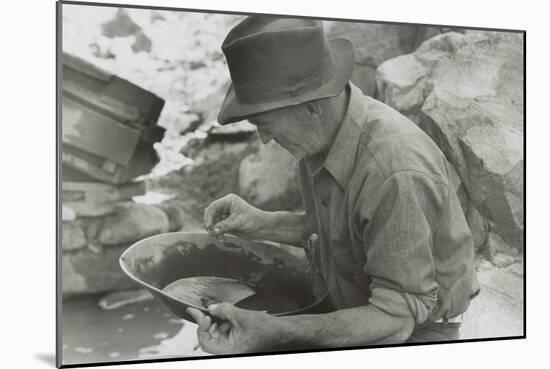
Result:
pixel 340 159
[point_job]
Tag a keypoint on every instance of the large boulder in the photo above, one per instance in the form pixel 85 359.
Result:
pixel 131 223
pixel 268 179
pixel 85 271
pixel 72 236
pixel 466 92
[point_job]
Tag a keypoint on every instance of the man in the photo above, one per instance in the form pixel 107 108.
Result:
pixel 382 223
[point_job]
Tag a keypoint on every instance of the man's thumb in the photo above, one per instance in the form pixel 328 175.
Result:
pixel 224 311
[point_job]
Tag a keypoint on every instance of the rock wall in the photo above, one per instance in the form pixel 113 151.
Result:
pixel 92 245
pixel 466 92
pixel 376 43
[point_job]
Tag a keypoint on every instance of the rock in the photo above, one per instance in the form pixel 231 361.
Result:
pixel 268 179
pixel 131 223
pixel 179 218
pixel 466 92
pixel 494 156
pixel 120 26
pixel 482 264
pixel 72 236
pixel 177 119
pixel 495 245
pixel 142 43
pixel 213 174
pixel 67 214
pixel 376 43
pixel 516 269
pixel 89 209
pixel 85 272
pixel 91 228
pixel 94 247
pixel 502 260
pixel 479 227
pixel 363 76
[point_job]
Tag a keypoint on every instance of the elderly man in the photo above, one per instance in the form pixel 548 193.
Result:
pixel 382 223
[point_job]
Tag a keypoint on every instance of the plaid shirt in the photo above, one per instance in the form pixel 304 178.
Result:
pixel 387 226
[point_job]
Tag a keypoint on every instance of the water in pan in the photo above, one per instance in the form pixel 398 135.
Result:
pixel 278 287
pixel 203 291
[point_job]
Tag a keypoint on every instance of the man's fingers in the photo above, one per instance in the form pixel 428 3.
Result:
pixel 214 331
pixel 232 223
pixel 204 322
pixel 195 313
pixel 214 212
pixel 224 327
pixel 213 327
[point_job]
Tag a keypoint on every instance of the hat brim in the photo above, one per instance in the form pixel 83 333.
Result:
pixel 232 110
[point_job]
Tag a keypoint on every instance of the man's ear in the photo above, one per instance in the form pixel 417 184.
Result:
pixel 313 108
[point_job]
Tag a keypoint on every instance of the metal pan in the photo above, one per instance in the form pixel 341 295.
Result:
pixel 287 283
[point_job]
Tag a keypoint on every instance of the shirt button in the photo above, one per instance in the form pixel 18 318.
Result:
pixel 324 202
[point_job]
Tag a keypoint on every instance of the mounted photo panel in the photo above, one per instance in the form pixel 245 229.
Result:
pixel 236 184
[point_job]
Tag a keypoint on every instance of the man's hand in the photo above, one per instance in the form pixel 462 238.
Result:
pixel 241 330
pixel 232 214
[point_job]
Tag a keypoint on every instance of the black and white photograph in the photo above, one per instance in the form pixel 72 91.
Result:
pixel 238 184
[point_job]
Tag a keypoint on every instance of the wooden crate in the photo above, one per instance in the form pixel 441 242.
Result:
pixel 108 124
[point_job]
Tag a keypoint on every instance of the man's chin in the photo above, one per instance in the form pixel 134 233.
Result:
pixel 298 155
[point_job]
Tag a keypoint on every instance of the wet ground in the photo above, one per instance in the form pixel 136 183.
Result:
pixel 140 330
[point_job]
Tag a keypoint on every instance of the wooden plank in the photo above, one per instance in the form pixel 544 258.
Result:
pixel 149 104
pixel 82 165
pixel 116 94
pixel 90 131
pixel 104 104
pixel 82 66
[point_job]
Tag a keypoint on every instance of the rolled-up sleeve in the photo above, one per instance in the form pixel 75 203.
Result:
pixel 398 220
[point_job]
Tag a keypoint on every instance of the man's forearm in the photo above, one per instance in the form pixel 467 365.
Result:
pixel 349 327
pixel 284 227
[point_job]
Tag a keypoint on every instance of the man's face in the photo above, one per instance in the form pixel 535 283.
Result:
pixel 295 128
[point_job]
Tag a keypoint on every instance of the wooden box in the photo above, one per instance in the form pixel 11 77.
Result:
pixel 108 125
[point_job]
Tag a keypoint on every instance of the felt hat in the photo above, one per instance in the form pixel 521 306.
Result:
pixel 279 62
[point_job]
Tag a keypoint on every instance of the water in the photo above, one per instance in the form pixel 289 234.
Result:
pixel 203 291
pixel 144 329
pixel 269 300
pixel 279 288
